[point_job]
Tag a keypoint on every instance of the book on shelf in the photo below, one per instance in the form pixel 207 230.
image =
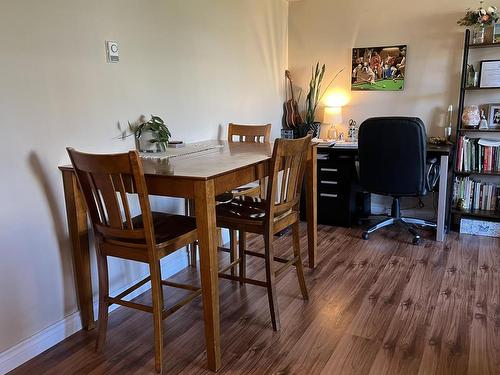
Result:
pixel 478 155
pixel 471 194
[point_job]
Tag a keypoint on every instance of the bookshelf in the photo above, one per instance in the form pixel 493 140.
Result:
pixel 468 94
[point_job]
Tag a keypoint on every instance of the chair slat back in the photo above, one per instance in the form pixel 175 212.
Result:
pixel 249 133
pixel 285 177
pixel 108 182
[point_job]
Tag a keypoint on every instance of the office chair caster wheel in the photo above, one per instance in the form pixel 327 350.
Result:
pixel 416 240
pixel 365 235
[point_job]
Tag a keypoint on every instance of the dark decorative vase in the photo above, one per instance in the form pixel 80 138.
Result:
pixel 304 129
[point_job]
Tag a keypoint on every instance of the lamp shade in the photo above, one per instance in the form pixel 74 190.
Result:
pixel 333 115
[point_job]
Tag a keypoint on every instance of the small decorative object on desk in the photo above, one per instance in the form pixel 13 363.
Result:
pixel 478 19
pixel 352 134
pixel 471 116
pixel 150 136
pixel 494 116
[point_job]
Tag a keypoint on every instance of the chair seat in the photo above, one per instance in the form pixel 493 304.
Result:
pixel 167 226
pixel 252 189
pixel 242 208
pixel 245 210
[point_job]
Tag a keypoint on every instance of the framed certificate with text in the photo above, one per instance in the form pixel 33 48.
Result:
pixel 489 74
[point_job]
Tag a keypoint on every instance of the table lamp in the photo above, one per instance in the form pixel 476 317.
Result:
pixel 332 117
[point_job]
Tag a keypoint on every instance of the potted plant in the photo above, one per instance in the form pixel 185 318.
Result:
pixel 150 136
pixel 478 19
pixel 313 97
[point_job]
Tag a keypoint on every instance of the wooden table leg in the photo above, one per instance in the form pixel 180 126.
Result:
pixel 79 235
pixel 312 207
pixel 204 194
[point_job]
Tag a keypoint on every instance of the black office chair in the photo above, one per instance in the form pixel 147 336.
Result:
pixel 392 161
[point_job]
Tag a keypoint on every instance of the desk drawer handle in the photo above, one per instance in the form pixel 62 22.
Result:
pixel 326 195
pixel 329 170
pixel 329 182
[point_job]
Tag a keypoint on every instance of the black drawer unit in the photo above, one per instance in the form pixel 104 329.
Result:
pixel 341 201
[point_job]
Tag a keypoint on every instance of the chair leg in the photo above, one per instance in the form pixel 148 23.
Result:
pixel 232 248
pixel 219 237
pixel 102 269
pixel 189 210
pixel 270 280
pixel 242 246
pixel 157 293
pixel 192 254
pixel 298 263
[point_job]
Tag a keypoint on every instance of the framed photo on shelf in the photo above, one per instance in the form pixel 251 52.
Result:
pixel 489 74
pixel 496 33
pixel 494 116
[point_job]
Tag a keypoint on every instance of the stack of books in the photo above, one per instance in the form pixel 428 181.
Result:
pixel 469 194
pixel 478 155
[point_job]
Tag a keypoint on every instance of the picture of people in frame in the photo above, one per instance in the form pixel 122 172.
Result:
pixel 379 68
pixel 494 116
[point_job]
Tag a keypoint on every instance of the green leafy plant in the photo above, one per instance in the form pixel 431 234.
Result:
pixel 314 95
pixel 160 132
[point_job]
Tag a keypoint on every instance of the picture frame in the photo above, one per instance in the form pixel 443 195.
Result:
pixel 489 74
pixel 496 33
pixel 380 68
pixel 494 116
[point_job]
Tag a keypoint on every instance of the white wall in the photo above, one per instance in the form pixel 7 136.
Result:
pixel 327 31
pixel 198 64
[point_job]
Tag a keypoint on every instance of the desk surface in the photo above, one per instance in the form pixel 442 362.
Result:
pixel 431 147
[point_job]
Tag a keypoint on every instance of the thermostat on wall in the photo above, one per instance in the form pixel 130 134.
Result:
pixel 112 51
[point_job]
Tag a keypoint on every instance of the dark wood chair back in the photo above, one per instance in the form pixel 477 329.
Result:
pixel 249 133
pixel 283 189
pixel 107 183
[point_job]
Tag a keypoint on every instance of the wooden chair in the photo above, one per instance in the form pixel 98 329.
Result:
pixel 237 133
pixel 251 134
pixel 268 216
pixel 108 183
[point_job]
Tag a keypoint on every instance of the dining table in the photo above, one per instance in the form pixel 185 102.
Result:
pixel 198 171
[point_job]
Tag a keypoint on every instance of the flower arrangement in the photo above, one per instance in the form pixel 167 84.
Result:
pixel 480 17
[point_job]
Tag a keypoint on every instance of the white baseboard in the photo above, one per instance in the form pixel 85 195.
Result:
pixel 52 335
pixel 39 342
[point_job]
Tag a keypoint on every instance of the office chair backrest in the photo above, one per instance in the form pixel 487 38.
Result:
pixel 392 156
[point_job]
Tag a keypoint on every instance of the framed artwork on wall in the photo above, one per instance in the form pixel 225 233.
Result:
pixel 379 68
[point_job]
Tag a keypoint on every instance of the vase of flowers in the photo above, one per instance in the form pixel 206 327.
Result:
pixel 478 19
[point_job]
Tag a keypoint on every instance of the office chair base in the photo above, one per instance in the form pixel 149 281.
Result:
pixel 408 222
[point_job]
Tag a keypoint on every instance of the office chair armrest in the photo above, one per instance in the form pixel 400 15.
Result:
pixel 432 174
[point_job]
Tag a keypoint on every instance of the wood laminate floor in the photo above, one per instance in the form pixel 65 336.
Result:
pixel 381 306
